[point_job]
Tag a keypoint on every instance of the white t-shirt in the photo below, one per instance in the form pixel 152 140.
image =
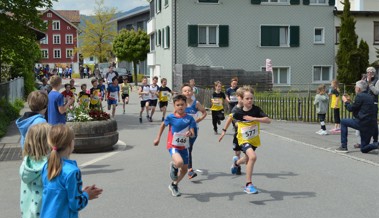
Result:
pixel 110 76
pixel 153 92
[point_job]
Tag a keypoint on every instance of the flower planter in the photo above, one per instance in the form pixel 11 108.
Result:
pixel 94 136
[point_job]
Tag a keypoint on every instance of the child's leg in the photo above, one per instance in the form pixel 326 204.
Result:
pixel 180 165
pixel 163 109
pixel 123 104
pixel 114 110
pixel 337 118
pixel 214 120
pixel 251 159
pixel 127 100
pixel 147 106
pixel 322 121
pixel 152 111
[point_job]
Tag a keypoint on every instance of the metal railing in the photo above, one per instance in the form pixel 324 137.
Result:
pixel 12 89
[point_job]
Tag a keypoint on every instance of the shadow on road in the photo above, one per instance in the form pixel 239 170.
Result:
pixel 205 197
pixel 279 196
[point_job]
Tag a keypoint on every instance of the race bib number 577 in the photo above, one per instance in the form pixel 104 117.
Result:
pixel 249 132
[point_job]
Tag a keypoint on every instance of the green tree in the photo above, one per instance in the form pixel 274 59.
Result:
pixel 348 55
pixel 132 46
pixel 98 34
pixel 18 46
pixel 364 56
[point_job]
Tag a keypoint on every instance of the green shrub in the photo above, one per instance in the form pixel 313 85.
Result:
pixel 8 113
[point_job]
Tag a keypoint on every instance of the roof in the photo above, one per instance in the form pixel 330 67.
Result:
pixel 72 15
pixel 135 13
pixel 360 13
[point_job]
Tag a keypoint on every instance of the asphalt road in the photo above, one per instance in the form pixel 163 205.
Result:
pixel 297 174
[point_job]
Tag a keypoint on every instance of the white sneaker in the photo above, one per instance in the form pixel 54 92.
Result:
pixel 323 132
pixel 319 132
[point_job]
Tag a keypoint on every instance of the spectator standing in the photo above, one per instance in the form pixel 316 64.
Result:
pixel 56 112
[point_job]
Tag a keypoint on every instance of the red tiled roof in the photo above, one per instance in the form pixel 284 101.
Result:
pixel 71 15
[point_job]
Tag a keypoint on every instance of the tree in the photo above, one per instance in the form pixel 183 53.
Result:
pixel 364 56
pixel 132 46
pixel 18 46
pixel 98 34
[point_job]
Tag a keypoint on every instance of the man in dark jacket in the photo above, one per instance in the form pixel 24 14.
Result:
pixel 363 109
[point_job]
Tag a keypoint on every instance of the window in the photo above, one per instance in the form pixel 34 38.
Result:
pixel 208 35
pixel 163 41
pixel 158 4
pixel 152 42
pixel 319 36
pixel 69 39
pixel 49 15
pixel 322 74
pixel 281 75
pixel 323 2
pixel 275 1
pixel 208 1
pixel 338 34
pixel 167 37
pixel 45 40
pixel 281 36
pixel 68 27
pixel 56 39
pixel 158 38
pixel 91 58
pixel 376 33
pixel 56 25
pixel 165 3
pixel 57 53
pixel 45 53
pixel 140 25
pixel 69 53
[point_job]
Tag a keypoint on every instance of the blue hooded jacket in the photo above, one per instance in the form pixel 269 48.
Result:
pixel 29 119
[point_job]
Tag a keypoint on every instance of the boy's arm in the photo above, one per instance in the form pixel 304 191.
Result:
pixel 158 138
pixel 202 110
pixel 227 123
pixel 258 119
pixel 62 109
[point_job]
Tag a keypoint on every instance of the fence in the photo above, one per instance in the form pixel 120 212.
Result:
pixel 291 108
pixel 12 89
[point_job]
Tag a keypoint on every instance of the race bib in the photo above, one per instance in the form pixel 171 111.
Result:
pixel 165 93
pixel 113 95
pixel 180 140
pixel 233 98
pixel 217 101
pixel 249 132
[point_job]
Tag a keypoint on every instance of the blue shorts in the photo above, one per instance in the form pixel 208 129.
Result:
pixel 183 153
pixel 110 102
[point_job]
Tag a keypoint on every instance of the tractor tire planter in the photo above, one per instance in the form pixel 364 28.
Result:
pixel 94 136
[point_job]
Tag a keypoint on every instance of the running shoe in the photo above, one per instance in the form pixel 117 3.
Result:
pixel 173 172
pixel 323 132
pixel 215 132
pixel 250 189
pixel 357 145
pixel 140 120
pixel 150 119
pixel 238 170
pixel 191 174
pixel 318 132
pixel 341 150
pixel 174 190
pixel 124 111
pixel 234 167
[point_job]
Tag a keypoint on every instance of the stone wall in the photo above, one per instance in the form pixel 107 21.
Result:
pixel 205 77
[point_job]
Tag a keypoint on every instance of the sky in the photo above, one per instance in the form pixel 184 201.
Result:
pixel 87 6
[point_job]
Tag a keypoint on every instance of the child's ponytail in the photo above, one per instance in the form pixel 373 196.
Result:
pixel 60 139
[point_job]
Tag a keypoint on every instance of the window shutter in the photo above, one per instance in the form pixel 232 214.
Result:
pixel 223 37
pixel 294 2
pixel 332 2
pixel 256 2
pixel 168 37
pixel 294 36
pixel 270 36
pixel 193 35
pixel 305 2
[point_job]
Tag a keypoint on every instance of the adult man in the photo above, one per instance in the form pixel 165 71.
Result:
pixel 363 109
pixel 373 90
pixel 109 76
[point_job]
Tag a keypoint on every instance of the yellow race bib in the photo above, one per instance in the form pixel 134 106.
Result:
pixel 248 132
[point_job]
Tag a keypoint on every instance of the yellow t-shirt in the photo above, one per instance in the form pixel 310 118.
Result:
pixel 335 98
pixel 248 132
pixel 164 92
pixel 217 101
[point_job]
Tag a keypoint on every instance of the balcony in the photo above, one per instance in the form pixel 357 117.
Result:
pixel 151 59
pixel 151 26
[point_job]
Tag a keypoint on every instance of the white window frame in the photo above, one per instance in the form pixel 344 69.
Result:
pixel 60 54
pixel 280 67
pixel 72 52
pixel 210 3
pixel 322 35
pixel 56 27
pixel 43 51
pixel 72 39
pixel 59 38
pixel 44 40
pixel 318 2
pixel 321 81
pixel 207 35
pixel 276 2
pixel 49 15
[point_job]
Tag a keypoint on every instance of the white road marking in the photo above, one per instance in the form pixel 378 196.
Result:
pixel 119 143
pixel 323 149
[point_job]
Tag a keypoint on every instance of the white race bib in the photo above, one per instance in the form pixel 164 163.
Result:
pixel 164 93
pixel 180 140
pixel 217 101
pixel 249 132
pixel 113 95
pixel 233 98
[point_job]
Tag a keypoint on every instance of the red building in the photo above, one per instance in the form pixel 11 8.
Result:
pixel 58 47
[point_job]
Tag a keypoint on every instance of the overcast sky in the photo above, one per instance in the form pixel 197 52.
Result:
pixel 86 6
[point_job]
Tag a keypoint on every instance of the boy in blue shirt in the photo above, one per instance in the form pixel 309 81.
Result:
pixel 181 127
pixel 113 97
pixel 56 108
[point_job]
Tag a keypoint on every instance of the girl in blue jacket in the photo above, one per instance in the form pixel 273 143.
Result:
pixel 63 196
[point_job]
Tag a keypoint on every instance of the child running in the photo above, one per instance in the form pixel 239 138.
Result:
pixel 84 97
pixel 125 89
pixel 231 96
pixel 61 178
pixel 181 127
pixel 248 117
pixel 154 88
pixel 35 156
pixel 335 104
pixel 164 91
pixel 113 97
pixel 236 147
pixel 193 106
pixel 144 94
pixel 95 102
pixel 102 88
pixel 217 107
pixel 321 101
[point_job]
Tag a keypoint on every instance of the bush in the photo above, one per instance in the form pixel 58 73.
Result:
pixel 76 76
pixel 139 77
pixel 8 113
